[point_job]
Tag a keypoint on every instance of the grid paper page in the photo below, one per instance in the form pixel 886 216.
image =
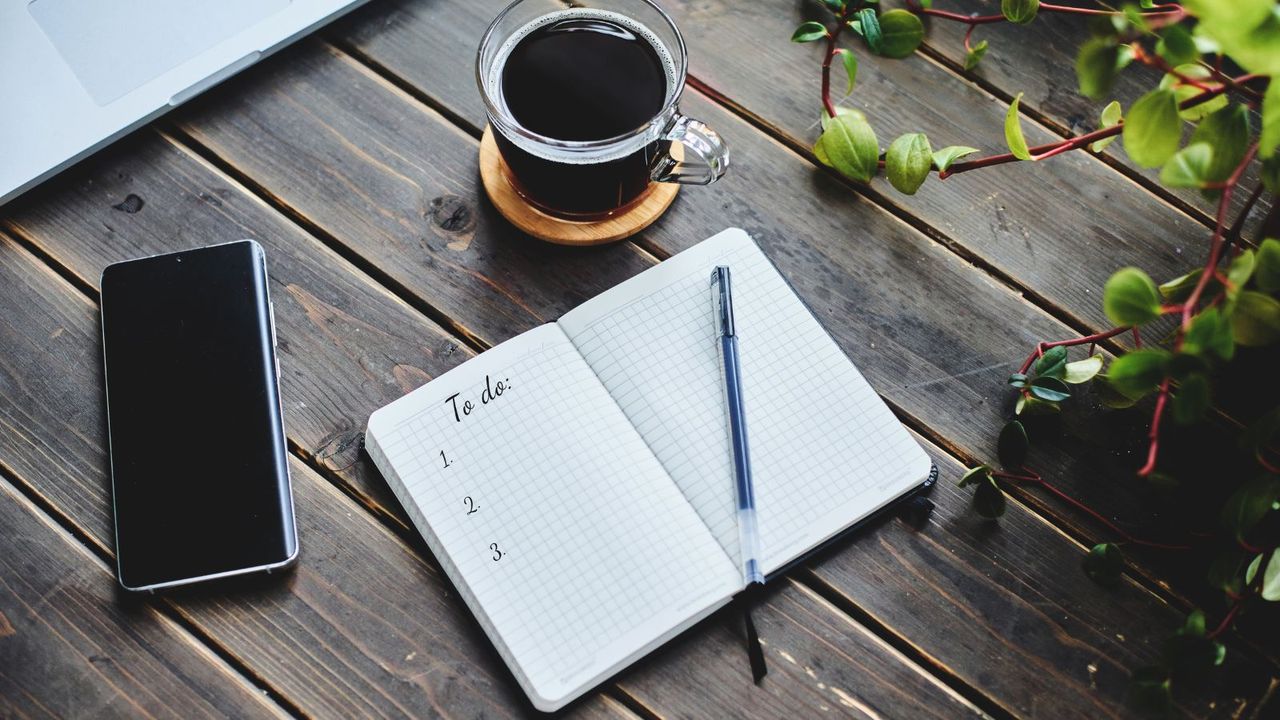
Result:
pixel 558 519
pixel 825 450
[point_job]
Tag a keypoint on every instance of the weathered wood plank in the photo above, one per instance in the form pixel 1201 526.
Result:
pixel 363 626
pixel 1036 223
pixel 1095 445
pixel 325 606
pixel 935 337
pixel 69 647
pixel 1039 60
pixel 347 346
pixel 894 328
pixel 825 670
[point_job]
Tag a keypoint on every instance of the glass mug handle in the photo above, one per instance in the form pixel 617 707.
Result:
pixel 692 154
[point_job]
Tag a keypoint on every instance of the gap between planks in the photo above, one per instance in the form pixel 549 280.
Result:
pixel 1036 505
pixel 1046 122
pixel 164 610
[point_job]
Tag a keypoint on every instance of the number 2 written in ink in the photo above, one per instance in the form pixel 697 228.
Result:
pixel 472 508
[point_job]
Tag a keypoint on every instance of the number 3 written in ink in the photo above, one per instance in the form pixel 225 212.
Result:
pixel 472 508
pixel 497 554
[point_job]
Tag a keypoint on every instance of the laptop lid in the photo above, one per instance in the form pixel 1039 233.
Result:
pixel 77 74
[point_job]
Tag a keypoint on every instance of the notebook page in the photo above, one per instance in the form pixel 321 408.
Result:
pixel 825 450
pixel 559 526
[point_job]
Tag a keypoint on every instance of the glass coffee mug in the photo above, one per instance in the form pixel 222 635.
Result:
pixel 583 106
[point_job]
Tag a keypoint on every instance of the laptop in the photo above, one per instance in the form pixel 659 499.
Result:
pixel 77 74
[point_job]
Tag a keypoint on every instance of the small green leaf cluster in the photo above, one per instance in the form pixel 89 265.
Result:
pixel 1247 31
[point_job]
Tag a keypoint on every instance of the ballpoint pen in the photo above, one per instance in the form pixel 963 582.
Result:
pixel 727 344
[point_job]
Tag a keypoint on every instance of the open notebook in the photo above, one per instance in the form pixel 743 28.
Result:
pixel 576 481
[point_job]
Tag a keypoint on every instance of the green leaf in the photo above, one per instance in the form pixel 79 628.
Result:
pixel 1019 11
pixel 901 33
pixel 1150 691
pixel 1239 272
pixel 1183 92
pixel 869 28
pixel 1104 564
pixel 1225 572
pixel 849 146
pixel 1013 445
pixel 1267 273
pixel 1189 167
pixel 1110 396
pixel 1189 653
pixel 907 162
pixel 1097 65
pixel 1270 138
pixel 1152 129
pixel 1179 288
pixel 1053 363
pixel 808 32
pixel 1018 380
pixel 975 475
pixel 1082 371
pixel 942 159
pixel 850 68
pixel 1177 46
pixel 1227 131
pixel 834 5
pixel 988 499
pixel 1270 578
pixel 1130 297
pixel 1013 131
pixel 1028 405
pixel 1050 389
pixel 1249 504
pixel 1210 332
pixel 975 55
pixel 1256 319
pixel 1271 174
pixel 1191 400
pixel 1138 372
pixel 1110 117
pixel 1246 30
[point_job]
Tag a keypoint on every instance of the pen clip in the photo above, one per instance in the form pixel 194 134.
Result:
pixel 722 301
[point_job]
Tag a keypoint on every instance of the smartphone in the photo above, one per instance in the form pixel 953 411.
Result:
pixel 199 466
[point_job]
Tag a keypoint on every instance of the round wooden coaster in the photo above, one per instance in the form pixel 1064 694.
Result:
pixel 556 230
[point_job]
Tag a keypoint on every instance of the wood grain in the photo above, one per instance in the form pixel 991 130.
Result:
pixel 770 191
pixel 1058 229
pixel 909 339
pixel 69 647
pixel 936 338
pixel 364 626
pixel 1048 79
pixel 347 346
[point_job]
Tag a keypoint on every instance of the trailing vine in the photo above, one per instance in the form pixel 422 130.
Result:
pixel 1216 58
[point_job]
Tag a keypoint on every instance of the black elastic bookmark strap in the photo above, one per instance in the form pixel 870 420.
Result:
pixel 755 652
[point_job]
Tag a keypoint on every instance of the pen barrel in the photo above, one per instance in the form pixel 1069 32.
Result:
pixel 748 530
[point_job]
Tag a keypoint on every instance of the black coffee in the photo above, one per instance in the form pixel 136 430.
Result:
pixel 583 75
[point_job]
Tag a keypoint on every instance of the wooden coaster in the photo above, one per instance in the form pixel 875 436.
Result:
pixel 566 232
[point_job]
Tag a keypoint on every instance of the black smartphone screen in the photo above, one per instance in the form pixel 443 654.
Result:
pixel 198 460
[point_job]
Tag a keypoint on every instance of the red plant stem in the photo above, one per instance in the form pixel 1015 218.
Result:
pixel 1042 346
pixel 1226 620
pixel 832 37
pixel 1215 250
pixel 1266 464
pixel 1193 300
pixel 1044 7
pixel 1054 148
pixel 1126 535
pixel 1153 435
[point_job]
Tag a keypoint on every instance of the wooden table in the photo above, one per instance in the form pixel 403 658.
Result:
pixel 353 158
